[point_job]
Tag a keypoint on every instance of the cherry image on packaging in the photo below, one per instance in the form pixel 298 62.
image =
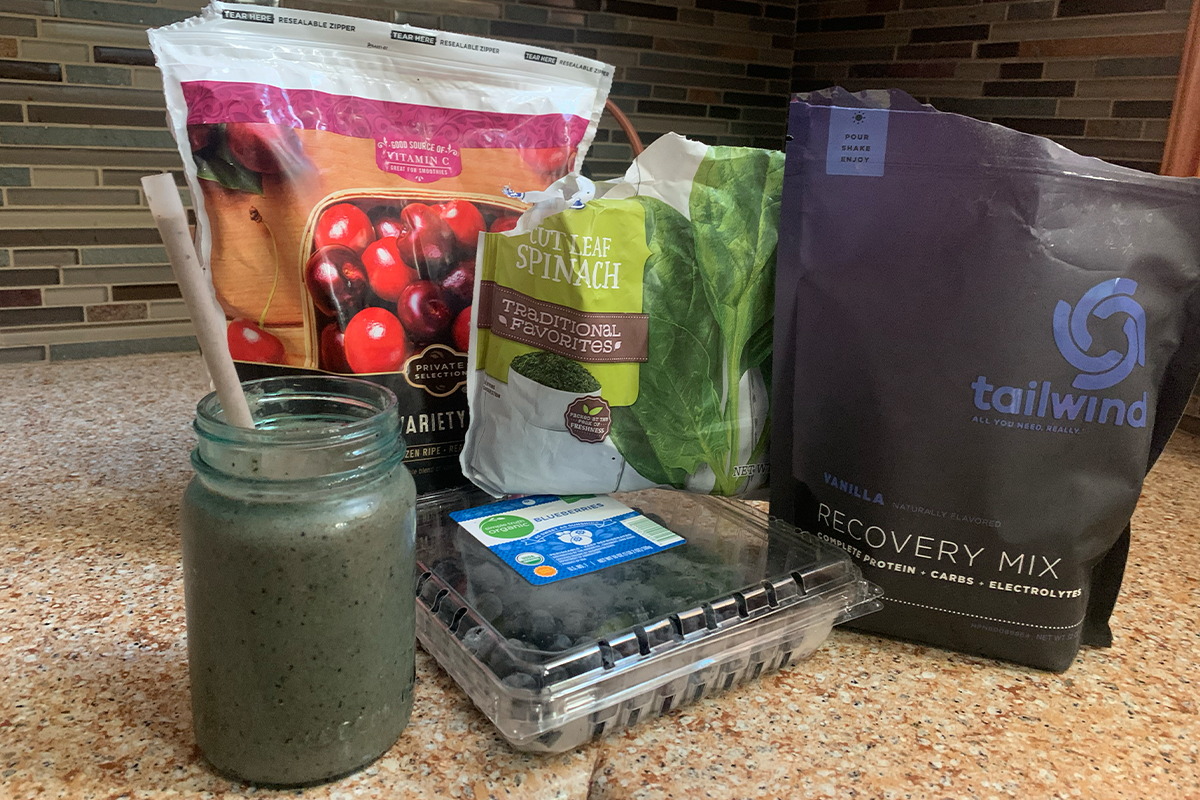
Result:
pixel 386 270
pixel 375 342
pixel 249 342
pixel 387 222
pixel 550 162
pixel 464 221
pixel 201 137
pixel 423 311
pixel 461 330
pixel 337 281
pixel 408 286
pixel 344 224
pixel 505 223
pixel 427 243
pixel 458 284
pixel 263 147
pixel 332 354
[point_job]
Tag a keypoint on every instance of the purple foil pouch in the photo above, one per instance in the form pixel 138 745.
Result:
pixel 982 343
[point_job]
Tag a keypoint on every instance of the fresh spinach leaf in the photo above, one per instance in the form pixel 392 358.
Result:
pixel 631 441
pixel 734 206
pixel 675 425
pixel 758 351
pixel 709 290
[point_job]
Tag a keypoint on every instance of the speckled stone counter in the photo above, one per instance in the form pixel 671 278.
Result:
pixel 93 667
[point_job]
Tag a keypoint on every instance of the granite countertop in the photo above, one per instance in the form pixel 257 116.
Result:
pixel 94 683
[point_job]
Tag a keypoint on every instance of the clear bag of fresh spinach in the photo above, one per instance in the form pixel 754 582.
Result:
pixel 624 341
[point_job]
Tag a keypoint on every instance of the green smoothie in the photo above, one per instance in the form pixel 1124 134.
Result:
pixel 299 614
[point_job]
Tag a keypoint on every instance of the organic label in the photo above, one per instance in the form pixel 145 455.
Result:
pixel 504 526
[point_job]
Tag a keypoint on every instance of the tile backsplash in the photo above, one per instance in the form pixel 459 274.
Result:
pixel 1096 75
pixel 82 272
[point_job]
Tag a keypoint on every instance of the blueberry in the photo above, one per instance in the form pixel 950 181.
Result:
pixel 488 605
pixel 541 622
pixel 573 626
pixel 543 641
pixel 478 642
pixel 488 576
pixel 449 570
pixel 519 680
pixel 516 623
pixel 501 659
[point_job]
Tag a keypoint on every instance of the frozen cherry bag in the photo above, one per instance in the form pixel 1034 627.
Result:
pixel 341 171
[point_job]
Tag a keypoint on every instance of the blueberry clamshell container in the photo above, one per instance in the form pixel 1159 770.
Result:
pixel 556 665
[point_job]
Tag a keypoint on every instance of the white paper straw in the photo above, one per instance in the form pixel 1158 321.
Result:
pixel 207 317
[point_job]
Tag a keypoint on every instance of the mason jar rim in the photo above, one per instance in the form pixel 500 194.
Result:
pixel 333 432
pixel 381 400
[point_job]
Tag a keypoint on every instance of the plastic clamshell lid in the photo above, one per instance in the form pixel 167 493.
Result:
pixel 555 665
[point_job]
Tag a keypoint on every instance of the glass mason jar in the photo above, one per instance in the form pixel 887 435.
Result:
pixel 298 577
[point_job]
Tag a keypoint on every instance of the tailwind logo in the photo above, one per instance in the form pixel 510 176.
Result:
pixel 1074 340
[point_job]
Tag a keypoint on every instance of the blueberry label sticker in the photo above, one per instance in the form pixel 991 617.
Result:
pixel 547 538
pixel 857 141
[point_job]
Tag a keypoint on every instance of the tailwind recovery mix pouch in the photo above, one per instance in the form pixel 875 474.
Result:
pixel 983 342
pixel 342 170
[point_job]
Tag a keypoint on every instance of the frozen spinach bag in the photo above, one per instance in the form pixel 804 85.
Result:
pixel 624 341
pixel 982 342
